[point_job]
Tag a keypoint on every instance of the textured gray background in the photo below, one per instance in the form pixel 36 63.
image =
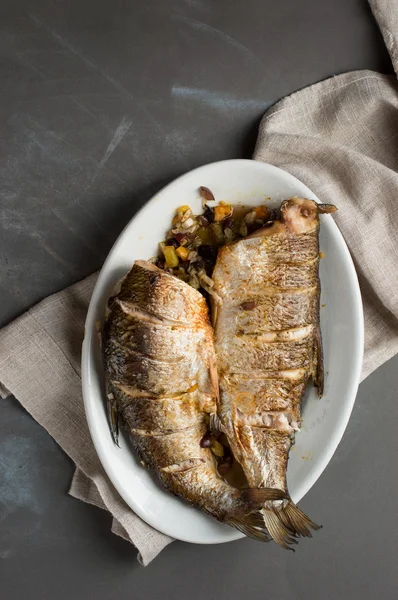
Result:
pixel 101 104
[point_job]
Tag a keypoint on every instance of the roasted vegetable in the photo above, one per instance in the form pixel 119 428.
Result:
pixel 222 211
pixel 182 252
pixel 170 256
pixel 203 234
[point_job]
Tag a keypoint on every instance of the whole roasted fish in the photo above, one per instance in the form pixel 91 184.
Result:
pixel 161 377
pixel 268 346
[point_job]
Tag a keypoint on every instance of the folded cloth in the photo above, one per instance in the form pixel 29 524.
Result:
pixel 340 138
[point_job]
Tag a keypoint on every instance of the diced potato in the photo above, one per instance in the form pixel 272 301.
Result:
pixel 170 256
pixel 261 212
pixel 222 211
pixel 250 217
pixel 183 213
pixel 217 449
pixel 182 252
pixel 187 223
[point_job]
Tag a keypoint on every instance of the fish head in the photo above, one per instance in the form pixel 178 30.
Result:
pixel 300 215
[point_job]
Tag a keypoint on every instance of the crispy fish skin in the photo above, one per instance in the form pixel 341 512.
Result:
pixel 268 346
pixel 161 375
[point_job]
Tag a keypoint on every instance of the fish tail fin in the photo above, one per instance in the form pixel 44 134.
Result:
pixel 299 520
pixel 249 520
pixel 287 522
pixel 256 532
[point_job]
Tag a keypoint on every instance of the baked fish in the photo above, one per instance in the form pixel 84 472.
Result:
pixel 268 346
pixel 161 376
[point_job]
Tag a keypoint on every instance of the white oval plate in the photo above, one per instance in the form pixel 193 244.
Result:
pixel 247 182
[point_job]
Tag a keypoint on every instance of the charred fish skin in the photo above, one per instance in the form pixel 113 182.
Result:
pixel 160 366
pixel 268 346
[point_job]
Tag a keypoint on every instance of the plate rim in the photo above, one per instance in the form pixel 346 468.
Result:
pixel 90 324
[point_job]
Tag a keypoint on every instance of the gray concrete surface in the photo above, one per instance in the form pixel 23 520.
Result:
pixel 101 104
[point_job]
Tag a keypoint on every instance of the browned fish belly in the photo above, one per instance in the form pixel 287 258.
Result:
pixel 268 346
pixel 161 377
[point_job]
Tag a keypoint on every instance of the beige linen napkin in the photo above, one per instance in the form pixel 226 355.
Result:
pixel 340 137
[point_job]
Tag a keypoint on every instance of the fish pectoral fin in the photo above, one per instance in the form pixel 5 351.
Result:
pixel 113 416
pixel 318 377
